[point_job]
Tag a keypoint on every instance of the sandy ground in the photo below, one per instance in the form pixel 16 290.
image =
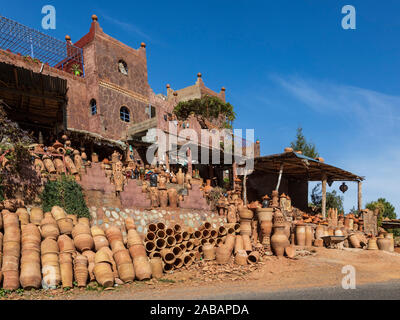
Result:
pixel 322 268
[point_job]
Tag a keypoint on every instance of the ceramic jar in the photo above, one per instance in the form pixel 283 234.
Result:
pixel 355 241
pixel 384 244
pixel 173 198
pixel 301 235
pixel 309 236
pixel 391 238
pixel 180 176
pixel 209 252
pixel 279 241
pixel 223 254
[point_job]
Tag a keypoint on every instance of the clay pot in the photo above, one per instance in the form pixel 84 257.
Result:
pixel 178 251
pixel 188 259
pixel 222 231
pixel 10 280
pixel 209 252
pixel 104 274
pixel 266 231
pixel 130 224
pixel 58 213
pixel 83 242
pixel 49 165
pixel 81 270
pixel 156 268
pixel 66 244
pixel 84 221
pixel 126 272
pixel 372 244
pixel 168 256
pixel 180 177
pixel 339 233
pixel 354 241
pixel 163 198
pixel 230 242
pixel 309 236
pixel 59 165
pixel 241 258
pixel 301 235
pixel 23 216
pixel 49 229
pixel 161 234
pixel 31 276
pixel 142 268
pixel 246 214
pixel 90 255
pixel 51 270
pixel 384 244
pixel 253 258
pixel 12 234
pixel 319 232
pixel 223 254
pixel 66 271
pixel 391 238
pixel 36 216
pixel 100 242
pixel 122 257
pixel 133 238
pixel 171 242
pixel 247 246
pixel 97 231
pixel 49 246
pixel 150 236
pixel 279 241
pixel 245 227
pixel 65 225
pixel 137 251
pixel 178 263
pixel 265 214
pixel 239 245
pixel 69 163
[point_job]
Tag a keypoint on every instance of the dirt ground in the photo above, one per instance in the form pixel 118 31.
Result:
pixel 316 267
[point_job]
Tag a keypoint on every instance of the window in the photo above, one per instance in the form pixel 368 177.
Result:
pixel 125 114
pixel 123 67
pixel 93 107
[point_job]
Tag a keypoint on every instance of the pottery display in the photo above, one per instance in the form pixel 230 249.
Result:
pixel 279 241
pixel 301 235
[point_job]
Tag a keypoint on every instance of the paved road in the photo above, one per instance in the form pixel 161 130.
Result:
pixel 380 291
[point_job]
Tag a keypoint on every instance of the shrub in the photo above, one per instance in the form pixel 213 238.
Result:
pixel 65 193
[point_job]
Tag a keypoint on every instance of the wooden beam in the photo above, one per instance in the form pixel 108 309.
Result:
pixel 32 95
pixel 360 196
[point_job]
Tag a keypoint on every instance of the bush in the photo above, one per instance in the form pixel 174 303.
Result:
pixel 65 193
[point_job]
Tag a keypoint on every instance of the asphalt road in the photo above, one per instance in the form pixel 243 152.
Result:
pixel 380 291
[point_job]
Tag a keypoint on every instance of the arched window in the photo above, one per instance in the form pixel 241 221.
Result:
pixel 125 114
pixel 123 67
pixel 93 107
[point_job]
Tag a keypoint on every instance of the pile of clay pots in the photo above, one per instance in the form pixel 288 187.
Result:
pixel 45 250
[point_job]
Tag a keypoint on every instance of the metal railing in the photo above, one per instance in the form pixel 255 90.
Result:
pixel 20 39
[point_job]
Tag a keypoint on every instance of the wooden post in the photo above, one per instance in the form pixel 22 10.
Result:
pixel 245 189
pixel 324 182
pixel 280 178
pixel 360 198
pixel 190 165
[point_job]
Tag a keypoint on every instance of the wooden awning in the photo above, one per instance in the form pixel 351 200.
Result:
pixel 299 167
pixel 33 97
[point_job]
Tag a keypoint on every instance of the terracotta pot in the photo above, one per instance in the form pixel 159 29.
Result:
pixel 177 228
pixel 186 235
pixel 188 259
pixel 168 268
pixel 122 257
pixel 11 249
pixel 372 244
pixel 84 221
pixel 130 224
pixel 11 280
pixel 90 255
pixel 180 177
pixel 12 234
pixel 309 236
pixel 23 216
pixel 59 165
pixel 81 270
pixel 171 242
pixel 319 232
pixel 65 225
pixel 51 270
pixel 253 258
pixel 223 254
pixel 265 214
pixel 81 228
pixel 266 231
pixel 163 198
pixel 384 244
pixel 290 252
pixel 354 241
pixel 301 235
pixel 161 234
pixel 156 268
pixel 339 233
pixel 178 263
pixel 222 231
pixel 49 246
pixel 247 246
pixel 178 251
pixel 241 258
pixel 209 252
pixel 279 241
pixel 50 230
pixel 126 272
pixel 230 242
pixel 150 236
pixel 173 198
pixel 66 271
pixel 66 244
pixel 142 268
pixel 104 274
pixel 49 165
pixel 246 214
pixel 36 216
pixel 137 251
pixel 239 245
pixel 133 238
pixel 103 255
pixel 245 227
pixel 58 213
pixel 69 163
pixel 83 242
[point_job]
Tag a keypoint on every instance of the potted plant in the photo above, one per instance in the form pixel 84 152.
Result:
pixel 76 69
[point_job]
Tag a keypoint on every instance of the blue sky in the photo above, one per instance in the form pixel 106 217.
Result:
pixel 284 63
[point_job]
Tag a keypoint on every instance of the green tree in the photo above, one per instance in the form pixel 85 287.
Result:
pixel 301 144
pixel 333 200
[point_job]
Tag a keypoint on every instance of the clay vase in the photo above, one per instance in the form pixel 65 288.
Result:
pixel 245 214
pixel 372 244
pixel 239 244
pixel 180 177
pixel 126 272
pixel 49 228
pixel 223 254
pixel 354 241
pixel 58 213
pixel 69 163
pixel 130 224
pixel 142 268
pixel 301 235
pixel 104 274
pixel 36 216
pixel 309 236
pixel 245 227
pixel 391 238
pixel 241 258
pixel 66 270
pixel 156 268
pixel 279 241
pixel 30 276
pixel 266 231
pixel 114 234
pixel 265 214
pixel 275 199
pixel 82 236
pixel 173 198
pixel 134 238
pixel 163 198
pixel 248 247
pixel 384 244
pixel 81 270
pixel 23 216
pixel 49 165
pixel 319 232
pixel 10 279
pixel 209 252
pixel 230 242
pixel 65 226
pixel 66 244
pixel 82 220
pixel 59 164
pixel 253 257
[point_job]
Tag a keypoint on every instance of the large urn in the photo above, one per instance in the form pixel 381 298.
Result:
pixel 279 241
